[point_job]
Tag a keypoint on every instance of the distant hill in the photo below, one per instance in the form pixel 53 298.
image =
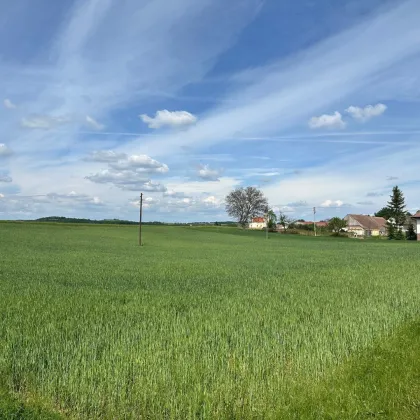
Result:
pixel 60 219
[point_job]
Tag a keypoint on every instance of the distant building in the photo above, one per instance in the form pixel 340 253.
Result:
pixel 258 223
pixel 416 218
pixel 363 225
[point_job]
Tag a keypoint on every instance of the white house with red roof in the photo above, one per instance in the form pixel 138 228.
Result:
pixel 416 218
pixel 258 223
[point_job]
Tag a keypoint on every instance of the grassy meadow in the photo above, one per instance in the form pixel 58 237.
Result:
pixel 210 323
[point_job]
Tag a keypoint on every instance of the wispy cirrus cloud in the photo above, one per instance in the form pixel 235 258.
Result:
pixel 9 104
pixel 5 178
pixel 5 151
pixel 44 122
pixel 275 98
pixel 92 123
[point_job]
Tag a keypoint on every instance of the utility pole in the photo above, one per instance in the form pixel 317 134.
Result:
pixel 141 214
pixel 314 221
pixel 266 225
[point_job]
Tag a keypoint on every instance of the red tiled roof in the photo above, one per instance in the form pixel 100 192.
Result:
pixel 258 220
pixel 417 215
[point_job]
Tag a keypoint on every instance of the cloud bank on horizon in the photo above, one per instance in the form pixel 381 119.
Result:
pixel 315 104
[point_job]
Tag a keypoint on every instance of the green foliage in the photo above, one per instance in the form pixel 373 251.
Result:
pixel 384 212
pixel 13 409
pixel 396 207
pixel 391 230
pixel 272 219
pixel 336 225
pixel 411 234
pixel 285 221
pixel 203 322
pixel 399 235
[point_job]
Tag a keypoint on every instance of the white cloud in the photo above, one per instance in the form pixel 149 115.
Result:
pixel 44 122
pixel 129 173
pixel 118 177
pixel 175 194
pixel 105 156
pixel 353 179
pixel 74 197
pixel 129 180
pixel 50 203
pixel 197 204
pixel 150 186
pixel 366 113
pixel 300 203
pixel 142 163
pixel 1 195
pixel 167 118
pixel 212 200
pixel 208 174
pixel 5 178
pixel 331 203
pixel 4 150
pixel 92 123
pixel 9 104
pixel 328 121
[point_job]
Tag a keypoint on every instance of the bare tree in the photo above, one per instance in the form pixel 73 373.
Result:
pixel 245 203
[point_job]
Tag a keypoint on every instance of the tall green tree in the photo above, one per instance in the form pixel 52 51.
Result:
pixel 396 206
pixel 390 227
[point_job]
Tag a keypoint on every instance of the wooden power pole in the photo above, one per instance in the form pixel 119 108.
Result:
pixel 314 221
pixel 141 214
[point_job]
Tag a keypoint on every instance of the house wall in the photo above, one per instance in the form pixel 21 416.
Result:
pixel 357 230
pixel 254 225
pixel 418 229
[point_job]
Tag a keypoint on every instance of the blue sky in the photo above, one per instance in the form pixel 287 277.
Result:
pixel 315 102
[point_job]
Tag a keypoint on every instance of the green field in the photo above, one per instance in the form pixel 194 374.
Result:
pixel 206 323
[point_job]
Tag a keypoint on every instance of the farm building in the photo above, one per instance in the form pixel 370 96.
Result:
pixel 257 223
pixel 416 218
pixel 363 225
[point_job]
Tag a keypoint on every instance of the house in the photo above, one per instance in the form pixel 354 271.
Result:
pixel 363 225
pixel 257 223
pixel 416 219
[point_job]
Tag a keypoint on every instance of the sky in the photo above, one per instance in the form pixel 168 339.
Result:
pixel 316 103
